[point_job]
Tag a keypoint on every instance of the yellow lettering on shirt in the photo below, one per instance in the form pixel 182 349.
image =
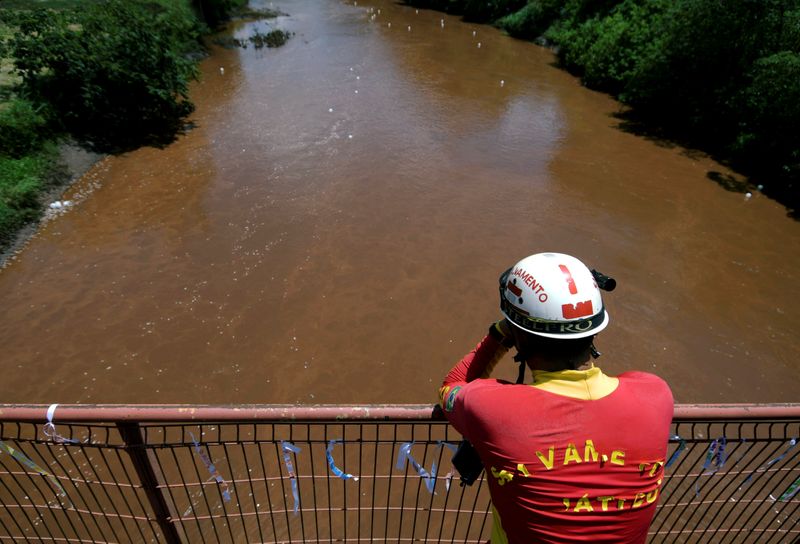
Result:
pixel 584 504
pixel 653 467
pixel 653 495
pixel 524 470
pixel 657 465
pixel 547 462
pixel 571 454
pixel 589 452
pixel 604 502
pixel 618 457
pixel 607 502
pixel 503 476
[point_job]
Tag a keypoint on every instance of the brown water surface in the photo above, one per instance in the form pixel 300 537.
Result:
pixel 333 229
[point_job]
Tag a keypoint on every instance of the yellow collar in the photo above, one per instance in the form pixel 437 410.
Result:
pixel 589 384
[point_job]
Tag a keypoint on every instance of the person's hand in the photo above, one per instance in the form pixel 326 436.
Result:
pixel 501 331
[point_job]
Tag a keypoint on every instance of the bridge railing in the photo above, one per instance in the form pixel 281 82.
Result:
pixel 256 473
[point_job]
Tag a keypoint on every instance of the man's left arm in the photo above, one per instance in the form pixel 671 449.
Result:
pixel 478 363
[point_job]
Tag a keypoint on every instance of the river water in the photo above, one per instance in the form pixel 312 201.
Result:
pixel 333 228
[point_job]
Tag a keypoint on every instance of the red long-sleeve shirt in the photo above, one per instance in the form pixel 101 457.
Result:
pixel 576 457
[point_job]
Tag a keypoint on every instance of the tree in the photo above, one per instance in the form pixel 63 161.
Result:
pixel 115 73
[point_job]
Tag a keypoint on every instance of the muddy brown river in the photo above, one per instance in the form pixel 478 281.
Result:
pixel 333 228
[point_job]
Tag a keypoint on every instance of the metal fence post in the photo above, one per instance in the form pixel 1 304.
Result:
pixel 134 444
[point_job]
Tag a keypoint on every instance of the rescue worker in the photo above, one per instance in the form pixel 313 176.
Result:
pixel 577 455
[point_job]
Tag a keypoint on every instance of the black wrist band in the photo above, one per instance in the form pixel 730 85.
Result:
pixel 497 334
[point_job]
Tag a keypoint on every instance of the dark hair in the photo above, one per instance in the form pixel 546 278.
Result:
pixel 552 349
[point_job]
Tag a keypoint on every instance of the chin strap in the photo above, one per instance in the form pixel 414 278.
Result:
pixel 519 358
pixel 594 352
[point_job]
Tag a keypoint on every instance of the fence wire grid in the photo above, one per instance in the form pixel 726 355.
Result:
pixel 339 474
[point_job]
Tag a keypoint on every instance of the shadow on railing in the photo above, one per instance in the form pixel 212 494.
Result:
pixel 257 473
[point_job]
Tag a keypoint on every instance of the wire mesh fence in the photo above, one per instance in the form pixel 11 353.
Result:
pixel 346 474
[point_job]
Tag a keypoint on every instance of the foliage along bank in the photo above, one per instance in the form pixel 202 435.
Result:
pixel 111 74
pixel 718 75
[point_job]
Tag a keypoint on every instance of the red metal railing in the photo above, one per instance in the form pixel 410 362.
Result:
pixel 256 473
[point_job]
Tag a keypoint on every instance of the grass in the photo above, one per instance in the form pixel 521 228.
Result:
pixel 22 181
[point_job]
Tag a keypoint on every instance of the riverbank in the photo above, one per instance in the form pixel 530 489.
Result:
pixel 111 94
pixel 68 163
pixel 680 78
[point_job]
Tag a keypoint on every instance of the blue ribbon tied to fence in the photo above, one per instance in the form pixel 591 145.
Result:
pixel 404 456
pixel 792 443
pixel 212 470
pixel 331 463
pixel 287 448
pixel 678 450
pixel 715 460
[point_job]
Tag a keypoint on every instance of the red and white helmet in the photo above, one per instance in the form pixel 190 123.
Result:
pixel 552 295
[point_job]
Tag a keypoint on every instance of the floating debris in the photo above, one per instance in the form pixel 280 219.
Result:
pixel 273 38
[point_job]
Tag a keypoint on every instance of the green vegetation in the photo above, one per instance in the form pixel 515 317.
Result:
pixel 718 75
pixel 21 182
pixel 215 12
pixel 115 75
pixel 273 38
pixel 111 74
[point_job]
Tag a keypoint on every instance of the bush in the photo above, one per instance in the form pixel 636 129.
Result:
pixel 116 75
pixel 531 21
pixel 700 66
pixel 582 10
pixel 608 50
pixel 21 181
pixel 770 114
pixel 22 128
pixel 215 12
pixel 488 11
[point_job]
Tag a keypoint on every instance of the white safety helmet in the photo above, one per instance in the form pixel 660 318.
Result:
pixel 553 295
